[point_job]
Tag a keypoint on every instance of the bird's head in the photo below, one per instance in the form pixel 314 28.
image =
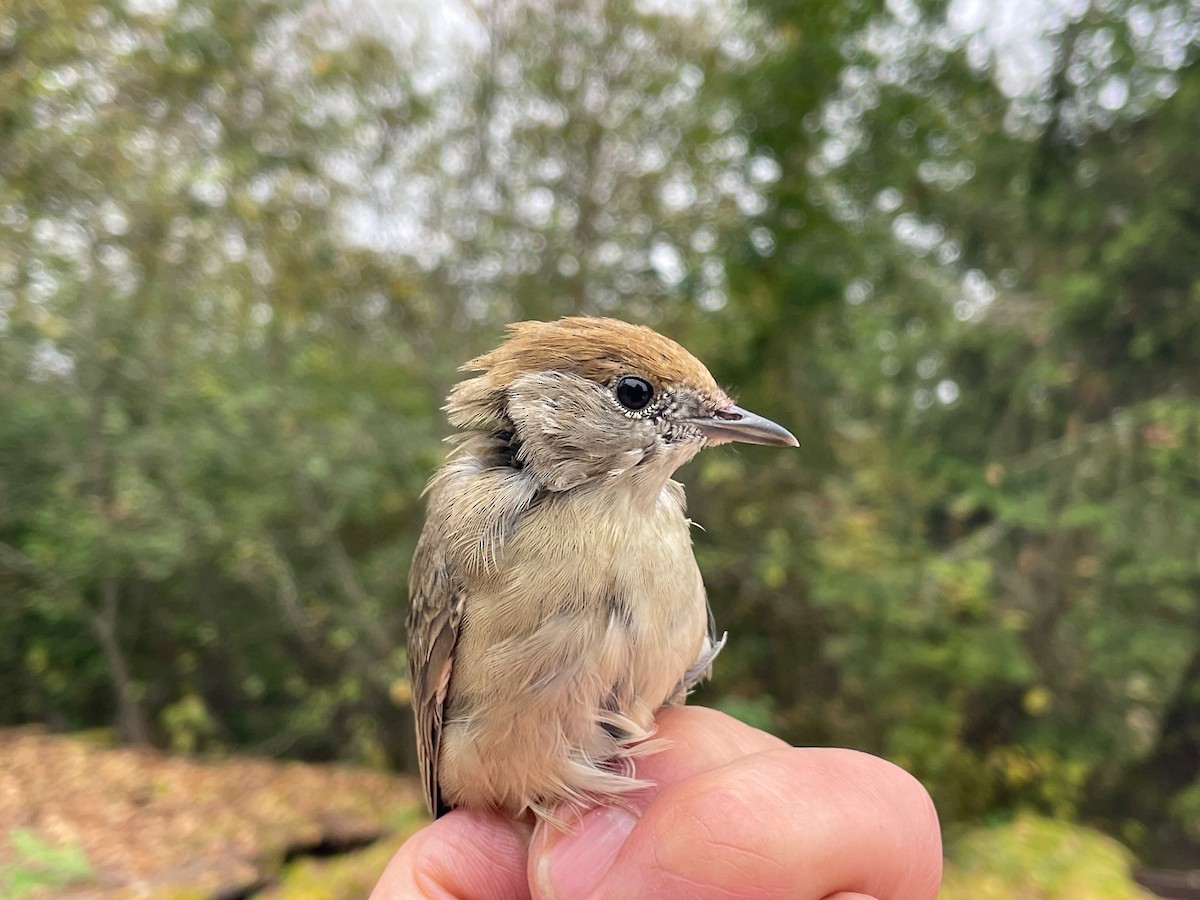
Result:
pixel 592 399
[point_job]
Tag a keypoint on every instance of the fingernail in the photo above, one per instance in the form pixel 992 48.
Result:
pixel 573 864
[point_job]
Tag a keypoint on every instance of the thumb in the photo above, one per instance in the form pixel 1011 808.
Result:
pixel 461 855
pixel 570 865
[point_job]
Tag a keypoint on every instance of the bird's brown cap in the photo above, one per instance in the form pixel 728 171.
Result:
pixel 598 349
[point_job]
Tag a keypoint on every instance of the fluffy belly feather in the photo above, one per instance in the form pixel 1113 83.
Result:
pixel 589 632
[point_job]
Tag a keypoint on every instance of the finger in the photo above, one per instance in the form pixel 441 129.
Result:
pixel 796 823
pixel 696 740
pixel 465 855
pixel 699 739
pixel 791 823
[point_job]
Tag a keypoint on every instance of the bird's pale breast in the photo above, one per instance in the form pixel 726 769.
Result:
pixel 583 628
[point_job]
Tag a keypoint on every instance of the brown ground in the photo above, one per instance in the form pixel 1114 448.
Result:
pixel 160 826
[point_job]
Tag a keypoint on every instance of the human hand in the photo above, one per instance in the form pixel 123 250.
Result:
pixel 734 812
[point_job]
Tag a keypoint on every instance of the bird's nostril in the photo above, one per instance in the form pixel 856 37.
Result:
pixel 728 415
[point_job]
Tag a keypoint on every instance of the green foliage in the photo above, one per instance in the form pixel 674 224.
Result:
pixel 211 453
pixel 40 865
pixel 348 876
pixel 343 878
pixel 988 571
pixel 1038 859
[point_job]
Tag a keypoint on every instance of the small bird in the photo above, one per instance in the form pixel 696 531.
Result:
pixel 556 603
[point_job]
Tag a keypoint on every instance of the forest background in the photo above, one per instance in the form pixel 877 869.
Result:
pixel 953 247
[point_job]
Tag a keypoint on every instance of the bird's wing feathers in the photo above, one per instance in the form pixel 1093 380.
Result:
pixel 475 502
pixel 436 610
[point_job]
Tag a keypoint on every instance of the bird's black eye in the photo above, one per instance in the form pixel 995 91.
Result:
pixel 633 392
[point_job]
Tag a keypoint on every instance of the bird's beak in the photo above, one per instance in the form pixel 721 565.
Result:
pixel 732 423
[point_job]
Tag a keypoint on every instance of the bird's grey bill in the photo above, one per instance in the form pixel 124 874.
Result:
pixel 736 424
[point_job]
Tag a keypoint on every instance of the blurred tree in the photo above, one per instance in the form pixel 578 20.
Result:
pixel 584 157
pixel 1000 572
pixel 214 427
pixel 243 247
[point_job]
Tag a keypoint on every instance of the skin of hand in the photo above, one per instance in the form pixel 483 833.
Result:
pixel 734 813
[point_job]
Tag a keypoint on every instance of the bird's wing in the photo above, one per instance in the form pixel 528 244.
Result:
pixel 475 501
pixel 436 605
